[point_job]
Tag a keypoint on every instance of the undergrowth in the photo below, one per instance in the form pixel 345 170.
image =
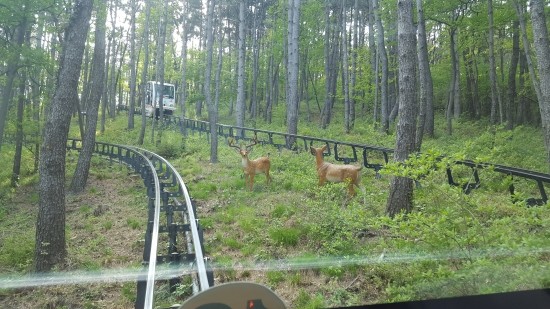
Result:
pixel 317 247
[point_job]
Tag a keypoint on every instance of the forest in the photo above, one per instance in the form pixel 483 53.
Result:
pixel 465 79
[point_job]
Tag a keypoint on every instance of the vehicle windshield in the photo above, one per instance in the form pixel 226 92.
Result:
pixel 168 90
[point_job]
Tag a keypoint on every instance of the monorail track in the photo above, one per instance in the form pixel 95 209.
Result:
pixel 167 195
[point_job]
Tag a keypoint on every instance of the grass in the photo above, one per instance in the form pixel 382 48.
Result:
pixel 315 246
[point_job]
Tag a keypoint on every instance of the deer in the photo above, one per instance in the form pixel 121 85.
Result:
pixel 336 173
pixel 252 167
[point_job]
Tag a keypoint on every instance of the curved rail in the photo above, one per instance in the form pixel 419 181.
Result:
pixel 374 157
pixel 164 185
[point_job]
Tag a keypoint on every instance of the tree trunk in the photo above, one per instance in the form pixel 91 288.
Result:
pixel 542 49
pixel 133 75
pixel 19 131
pixel 495 98
pixel 401 189
pixel 183 87
pixel 373 56
pixel 381 51
pixel 240 105
pixel 345 72
pixel 426 112
pixel 292 69
pixel 512 92
pixel 50 248
pixel 212 107
pixel 80 177
pixel 144 71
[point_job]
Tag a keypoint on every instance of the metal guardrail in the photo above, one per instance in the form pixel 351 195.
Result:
pixel 164 186
pixel 373 157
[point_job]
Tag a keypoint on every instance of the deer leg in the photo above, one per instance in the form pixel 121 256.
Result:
pixel 267 177
pixel 251 176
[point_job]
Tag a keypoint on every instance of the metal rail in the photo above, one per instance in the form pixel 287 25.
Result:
pixel 164 185
pixel 374 157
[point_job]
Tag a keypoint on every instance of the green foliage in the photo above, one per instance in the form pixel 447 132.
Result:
pixel 17 251
pixel 285 236
pixel 134 223
pixel 307 301
pixel 275 277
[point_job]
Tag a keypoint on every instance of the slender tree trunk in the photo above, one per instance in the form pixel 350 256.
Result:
pixel 240 105
pixel 80 177
pixel 495 102
pixel 19 131
pixel 292 69
pixel 400 198
pixel 133 75
pixel 144 71
pixel 50 247
pixel 512 92
pixel 381 51
pixel 212 107
pixel 373 56
pixel 345 71
pixel 426 113
pixel 183 87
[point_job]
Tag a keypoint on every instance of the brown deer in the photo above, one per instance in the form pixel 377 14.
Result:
pixel 252 167
pixel 336 173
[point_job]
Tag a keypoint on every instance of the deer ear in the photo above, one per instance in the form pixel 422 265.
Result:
pixel 324 147
pixel 312 150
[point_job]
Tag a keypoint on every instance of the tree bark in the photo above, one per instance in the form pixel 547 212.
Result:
pixel 401 189
pixel 50 248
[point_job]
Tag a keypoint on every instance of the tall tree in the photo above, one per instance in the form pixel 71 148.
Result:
pixel 82 170
pixel 292 69
pixel 542 49
pixel 401 188
pixel 50 247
